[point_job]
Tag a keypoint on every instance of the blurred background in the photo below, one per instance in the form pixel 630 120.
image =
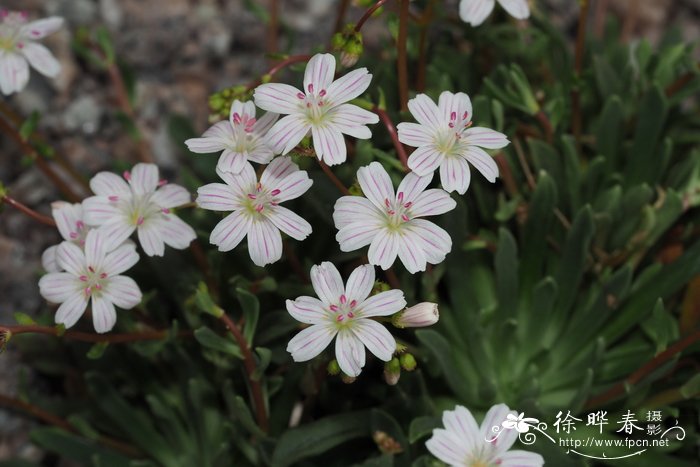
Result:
pixel 178 53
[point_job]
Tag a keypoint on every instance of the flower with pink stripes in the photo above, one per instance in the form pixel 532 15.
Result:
pixel 19 49
pixel 241 138
pixel 92 276
pixel 71 226
pixel 391 223
pixel 344 311
pixel 463 443
pixel 138 202
pixel 475 12
pixel 321 108
pixel 446 139
pixel 255 208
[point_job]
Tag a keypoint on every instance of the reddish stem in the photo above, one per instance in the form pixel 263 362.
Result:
pixel 392 279
pixel 402 55
pixel 368 14
pixel 272 27
pixel 154 335
pixel 391 129
pixel 28 211
pixel 281 65
pixel 336 181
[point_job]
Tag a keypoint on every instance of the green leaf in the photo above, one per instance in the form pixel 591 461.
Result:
pixel 24 319
pixel 251 313
pixel 442 350
pixel 643 163
pixel 421 427
pixel 28 126
pixel 540 219
pixel 609 132
pixel 211 340
pixel 264 356
pixel 70 446
pixel 204 302
pixel 97 350
pixel 318 437
pixel 506 264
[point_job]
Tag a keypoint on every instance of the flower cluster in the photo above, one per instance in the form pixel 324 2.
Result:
pixel 85 268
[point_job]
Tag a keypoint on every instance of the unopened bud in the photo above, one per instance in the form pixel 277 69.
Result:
pixel 333 367
pixel 347 379
pixel 408 362
pixel 5 336
pixel 418 316
pixel 386 443
pixel 392 371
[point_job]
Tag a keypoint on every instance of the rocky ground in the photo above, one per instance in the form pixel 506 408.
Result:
pixel 181 51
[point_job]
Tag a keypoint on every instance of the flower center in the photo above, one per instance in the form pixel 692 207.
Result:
pixel 243 131
pixel 398 212
pixel 94 282
pixel 10 24
pixel 136 208
pixel 449 137
pixel 315 104
pixel 259 199
pixel 344 311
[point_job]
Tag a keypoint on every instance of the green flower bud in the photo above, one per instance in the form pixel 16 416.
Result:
pixel 333 367
pixel 392 371
pixel 408 362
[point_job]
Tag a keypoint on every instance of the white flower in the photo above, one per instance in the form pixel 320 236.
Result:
pixel 345 312
pixel 444 139
pixel 92 276
pixel 241 138
pixel 390 224
pixel 71 226
pixel 418 316
pixel 320 108
pixel 256 212
pixel 18 49
pixel 142 205
pixel 475 12
pixel 462 443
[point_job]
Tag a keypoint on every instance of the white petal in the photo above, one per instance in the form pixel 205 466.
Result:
pixel 432 203
pixel 310 342
pixel 412 186
pixel 350 353
pixel 482 162
pixel 41 28
pixel 175 232
pixel 494 417
pixel 383 249
pixel 455 175
pixel 424 160
pixel 327 282
pixel 241 182
pixel 414 134
pixel 48 259
pixel 41 59
pixel 144 178
pixel 375 337
pixel 349 86
pixel 383 304
pixel 475 12
pixel 349 209
pixel 67 217
pixel 14 72
pixel 376 184
pixel 425 111
pixel 278 98
pixel 277 171
pixel 123 292
pixel 109 184
pixel 485 138
pixel 264 242
pixel 447 448
pixel 114 233
pixel 121 259
pixel 57 287
pixel 329 144
pixel 411 254
pixel 232 161
pixel 360 283
pixel 171 196
pixel 458 104
pixel 264 123
pixel 292 186
pixel 260 152
pixel 436 243
pixel 319 73
pixel 150 239
pixel 516 8
pixel 357 235
pixel 287 133
pixel 95 250
pixel 461 423
pixel 71 310
pixel 104 316
pixel 230 231
pixel 351 120
pixel 518 458
pixel 290 223
pixel 245 110
pixel 98 210
pixel 308 310
pixel 71 258
pixel 217 197
pixel 214 139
